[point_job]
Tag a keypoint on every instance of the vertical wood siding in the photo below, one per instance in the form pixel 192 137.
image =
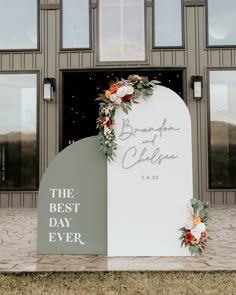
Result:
pixel 49 61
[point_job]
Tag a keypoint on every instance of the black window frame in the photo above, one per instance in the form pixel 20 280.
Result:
pixel 37 73
pixel 90 31
pixel 182 29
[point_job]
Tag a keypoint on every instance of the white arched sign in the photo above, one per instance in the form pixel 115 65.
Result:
pixel 150 180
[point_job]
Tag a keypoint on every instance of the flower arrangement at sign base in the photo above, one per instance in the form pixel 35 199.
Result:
pixel 194 234
pixel 122 94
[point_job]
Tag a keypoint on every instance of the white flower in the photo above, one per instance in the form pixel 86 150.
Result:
pixel 113 97
pixel 137 77
pixel 118 101
pixel 107 112
pixel 130 90
pixel 201 227
pixel 122 91
pixel 110 107
pixel 107 131
pixel 196 233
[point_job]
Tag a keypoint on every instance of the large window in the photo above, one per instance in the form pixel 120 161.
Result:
pixel 18 132
pixel 222 129
pixel 221 23
pixel 75 24
pixel 18 24
pixel 121 30
pixel 168 23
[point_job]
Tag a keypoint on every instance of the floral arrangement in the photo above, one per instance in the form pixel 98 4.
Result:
pixel 194 234
pixel 120 94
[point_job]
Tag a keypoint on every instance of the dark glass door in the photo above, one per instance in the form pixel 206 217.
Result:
pixel 81 88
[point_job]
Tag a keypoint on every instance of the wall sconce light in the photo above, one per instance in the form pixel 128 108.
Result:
pixel 49 87
pixel 197 85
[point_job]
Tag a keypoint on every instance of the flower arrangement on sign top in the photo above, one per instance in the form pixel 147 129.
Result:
pixel 194 234
pixel 122 94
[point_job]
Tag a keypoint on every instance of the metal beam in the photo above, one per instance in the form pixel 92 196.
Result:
pixel 49 6
pixel 148 3
pixel 194 3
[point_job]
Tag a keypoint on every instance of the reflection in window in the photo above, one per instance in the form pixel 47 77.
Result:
pixel 18 145
pixel 168 23
pixel 222 154
pixel 221 22
pixel 18 24
pixel 121 30
pixel 76 27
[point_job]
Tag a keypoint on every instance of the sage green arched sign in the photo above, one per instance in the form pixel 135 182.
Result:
pixel 72 202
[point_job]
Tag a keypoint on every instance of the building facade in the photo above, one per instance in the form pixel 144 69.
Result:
pixel 78 46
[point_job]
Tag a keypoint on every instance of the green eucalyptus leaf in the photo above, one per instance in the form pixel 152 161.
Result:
pixel 206 204
pixel 194 202
pixel 202 214
pixel 111 82
pixel 155 82
pixel 193 249
pixel 142 87
pixel 182 243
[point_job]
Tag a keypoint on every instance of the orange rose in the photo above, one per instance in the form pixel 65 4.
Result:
pixel 113 88
pixel 108 94
pixel 196 220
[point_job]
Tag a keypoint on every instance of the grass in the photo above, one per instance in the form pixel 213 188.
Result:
pixel 112 283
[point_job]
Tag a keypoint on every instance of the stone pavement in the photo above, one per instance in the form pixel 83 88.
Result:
pixel 18 237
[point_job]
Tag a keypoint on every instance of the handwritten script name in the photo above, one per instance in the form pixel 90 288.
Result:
pixel 134 155
pixel 128 130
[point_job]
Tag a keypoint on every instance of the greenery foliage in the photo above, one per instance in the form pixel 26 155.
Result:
pixel 124 94
pixel 194 234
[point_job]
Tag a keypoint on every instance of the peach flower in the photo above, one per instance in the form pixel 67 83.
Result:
pixel 108 94
pixel 196 220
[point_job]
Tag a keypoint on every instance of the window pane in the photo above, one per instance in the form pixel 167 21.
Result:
pixel 18 147
pixel 222 155
pixel 121 30
pixel 168 23
pixel 221 22
pixel 18 24
pixel 76 24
